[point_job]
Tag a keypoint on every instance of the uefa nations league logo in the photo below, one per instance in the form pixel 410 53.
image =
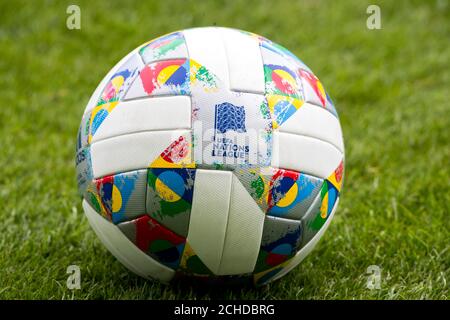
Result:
pixel 229 117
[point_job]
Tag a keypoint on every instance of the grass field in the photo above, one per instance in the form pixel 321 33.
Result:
pixel 391 89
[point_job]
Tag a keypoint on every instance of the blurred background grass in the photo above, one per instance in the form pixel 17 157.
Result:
pixel 391 90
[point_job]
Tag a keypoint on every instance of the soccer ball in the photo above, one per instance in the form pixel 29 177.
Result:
pixel 211 153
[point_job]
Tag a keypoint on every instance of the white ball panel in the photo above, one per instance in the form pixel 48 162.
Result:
pixel 124 250
pixel 245 65
pixel 234 57
pixel 205 46
pixel 243 233
pixel 149 114
pixel 305 154
pixel 131 151
pixel 314 121
pixel 209 216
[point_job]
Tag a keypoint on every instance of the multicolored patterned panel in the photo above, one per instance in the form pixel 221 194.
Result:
pixel 291 193
pixel 278 192
pixel 277 49
pixel 314 91
pixel 119 197
pixel 329 105
pixel 169 197
pixel 256 181
pixel 281 108
pixel 280 80
pixel 286 75
pixel 98 115
pixel 337 177
pixel 323 205
pixel 171 46
pixel 154 239
pixel 284 91
pixel 191 263
pixel 171 77
pixel 168 77
pixel 114 91
pixel 266 276
pixel 201 77
pixel 177 155
pixel 280 241
pixel 282 52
